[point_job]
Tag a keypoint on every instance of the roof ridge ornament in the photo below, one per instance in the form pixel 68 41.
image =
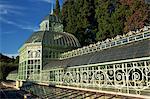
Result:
pixel 52 9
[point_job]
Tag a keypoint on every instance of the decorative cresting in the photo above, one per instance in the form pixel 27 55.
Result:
pixel 126 76
pixel 130 37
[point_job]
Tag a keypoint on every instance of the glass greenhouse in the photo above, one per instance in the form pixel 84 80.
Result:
pixel 53 57
pixel 43 46
pixel 51 48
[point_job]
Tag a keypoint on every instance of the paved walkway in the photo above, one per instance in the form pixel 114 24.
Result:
pixel 11 93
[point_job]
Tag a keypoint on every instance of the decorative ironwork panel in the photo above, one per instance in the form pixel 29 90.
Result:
pixel 127 77
pixel 108 43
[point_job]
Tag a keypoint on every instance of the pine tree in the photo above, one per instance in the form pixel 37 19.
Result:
pixel 69 16
pixel 117 19
pixel 103 19
pixel 110 17
pixel 57 9
pixel 79 19
pixel 106 18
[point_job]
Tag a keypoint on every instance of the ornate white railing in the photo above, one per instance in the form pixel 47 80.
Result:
pixel 127 76
pixel 117 41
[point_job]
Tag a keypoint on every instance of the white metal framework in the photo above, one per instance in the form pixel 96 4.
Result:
pixel 130 76
pixel 30 62
pixel 127 76
pixel 119 40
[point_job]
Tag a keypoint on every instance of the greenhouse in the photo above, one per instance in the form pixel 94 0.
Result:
pixel 50 47
pixel 52 56
pixel 43 46
pixel 52 59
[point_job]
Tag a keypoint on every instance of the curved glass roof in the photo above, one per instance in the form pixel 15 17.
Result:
pixel 129 51
pixel 36 37
pixel 51 38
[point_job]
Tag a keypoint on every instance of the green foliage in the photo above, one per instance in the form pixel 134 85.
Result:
pixel 57 9
pixel 105 18
pixel 69 17
pixel 137 14
pixel 7 65
pixel 6 68
pixel 16 60
pixel 110 18
pixel 78 17
pixel 6 59
pixel 118 17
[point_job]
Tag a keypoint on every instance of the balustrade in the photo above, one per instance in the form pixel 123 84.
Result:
pixel 129 76
pixel 108 43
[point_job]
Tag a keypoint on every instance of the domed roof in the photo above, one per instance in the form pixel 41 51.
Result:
pixel 36 37
pixel 57 39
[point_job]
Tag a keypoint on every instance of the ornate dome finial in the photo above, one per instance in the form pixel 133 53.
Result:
pixel 52 9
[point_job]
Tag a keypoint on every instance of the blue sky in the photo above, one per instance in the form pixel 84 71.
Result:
pixel 18 20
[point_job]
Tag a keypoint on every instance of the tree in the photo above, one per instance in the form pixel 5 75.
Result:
pixel 148 21
pixel 78 16
pixel 137 15
pixel 86 21
pixel 118 17
pixel 105 18
pixel 57 9
pixel 16 60
pixel 103 15
pixel 7 65
pixel 69 17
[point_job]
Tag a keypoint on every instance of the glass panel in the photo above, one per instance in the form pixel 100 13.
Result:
pixel 131 38
pixel 118 42
pixel 38 61
pixel 38 66
pixel 139 36
pixel 113 44
pixel 125 40
pixel 147 34
pixel 107 45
